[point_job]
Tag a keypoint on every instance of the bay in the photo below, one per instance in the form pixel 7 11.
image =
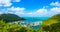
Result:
pixel 33 20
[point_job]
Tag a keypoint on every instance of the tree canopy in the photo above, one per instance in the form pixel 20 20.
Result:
pixel 5 27
pixel 52 24
pixel 10 17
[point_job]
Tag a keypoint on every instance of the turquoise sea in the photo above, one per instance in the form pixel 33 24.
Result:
pixel 35 19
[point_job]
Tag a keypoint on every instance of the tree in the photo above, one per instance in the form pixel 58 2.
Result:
pixel 10 17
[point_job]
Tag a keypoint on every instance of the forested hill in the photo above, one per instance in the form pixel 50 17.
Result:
pixel 51 20
pixel 52 24
pixel 55 17
pixel 10 17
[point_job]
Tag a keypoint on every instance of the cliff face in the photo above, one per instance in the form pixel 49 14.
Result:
pixel 10 17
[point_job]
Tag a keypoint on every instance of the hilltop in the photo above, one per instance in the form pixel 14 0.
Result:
pixel 10 17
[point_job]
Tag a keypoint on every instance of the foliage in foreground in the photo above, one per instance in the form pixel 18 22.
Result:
pixel 5 27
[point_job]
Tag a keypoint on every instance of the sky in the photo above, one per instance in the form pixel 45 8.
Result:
pixel 30 8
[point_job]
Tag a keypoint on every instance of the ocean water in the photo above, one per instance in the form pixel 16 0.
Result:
pixel 35 19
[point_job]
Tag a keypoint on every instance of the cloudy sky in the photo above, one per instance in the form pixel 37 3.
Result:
pixel 30 8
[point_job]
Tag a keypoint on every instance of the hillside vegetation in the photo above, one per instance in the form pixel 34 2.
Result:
pixel 6 27
pixel 10 17
pixel 52 24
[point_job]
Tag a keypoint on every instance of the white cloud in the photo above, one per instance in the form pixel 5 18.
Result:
pixel 44 12
pixel 16 9
pixel 55 4
pixel 41 11
pixel 30 13
pixel 16 0
pixel 55 10
pixel 13 10
pixel 7 2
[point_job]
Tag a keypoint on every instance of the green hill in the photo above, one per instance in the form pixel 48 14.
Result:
pixel 52 24
pixel 51 20
pixel 10 17
pixel 56 17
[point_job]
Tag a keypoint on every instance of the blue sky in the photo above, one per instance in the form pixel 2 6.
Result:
pixel 30 8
